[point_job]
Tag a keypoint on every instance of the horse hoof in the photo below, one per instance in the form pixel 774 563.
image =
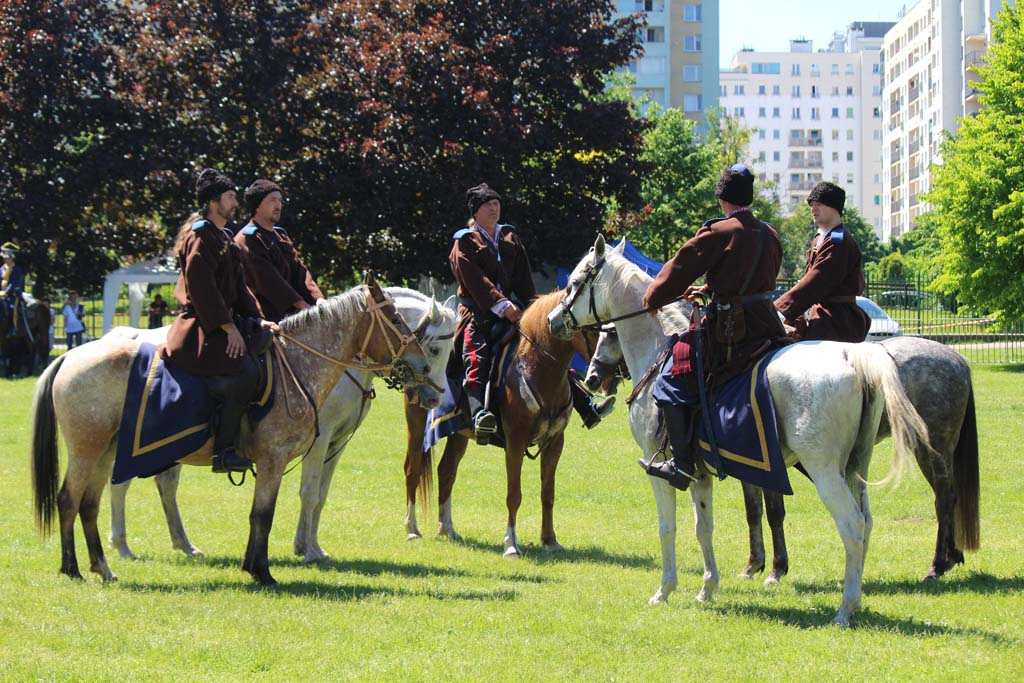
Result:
pixel 513 553
pixel 704 597
pixel 772 580
pixel 658 599
pixel 931 576
pixel 554 547
pixel 73 574
pixel 195 552
pixel 414 536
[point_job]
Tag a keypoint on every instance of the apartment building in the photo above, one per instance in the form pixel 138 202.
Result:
pixel 976 35
pixel 679 67
pixel 814 115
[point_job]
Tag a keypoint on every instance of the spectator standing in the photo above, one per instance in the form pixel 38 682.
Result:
pixel 74 315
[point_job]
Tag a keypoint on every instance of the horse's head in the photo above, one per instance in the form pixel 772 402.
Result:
pixel 435 332
pixel 585 301
pixel 407 363
pixel 604 372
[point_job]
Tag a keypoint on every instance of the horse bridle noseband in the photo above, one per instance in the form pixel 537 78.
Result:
pixel 590 274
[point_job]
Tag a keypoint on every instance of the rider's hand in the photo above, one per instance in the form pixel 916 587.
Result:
pixel 236 345
pixel 271 325
pixel 512 313
pixel 692 293
pixel 653 311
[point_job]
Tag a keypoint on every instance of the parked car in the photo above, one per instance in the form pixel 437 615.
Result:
pixel 882 326
pixel 908 298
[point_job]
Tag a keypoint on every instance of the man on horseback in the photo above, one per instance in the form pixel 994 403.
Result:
pixel 823 304
pixel 205 339
pixel 741 256
pixel 12 285
pixel 490 264
pixel 277 276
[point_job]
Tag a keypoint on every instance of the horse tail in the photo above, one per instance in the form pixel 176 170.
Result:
pixel 966 480
pixel 425 489
pixel 44 448
pixel 880 377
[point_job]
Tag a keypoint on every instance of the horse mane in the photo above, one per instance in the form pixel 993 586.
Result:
pixel 534 322
pixel 673 316
pixel 338 309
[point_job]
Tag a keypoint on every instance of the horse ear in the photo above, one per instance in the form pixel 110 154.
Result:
pixel 371 284
pixel 599 246
pixel 620 248
pixel 435 310
pixel 452 304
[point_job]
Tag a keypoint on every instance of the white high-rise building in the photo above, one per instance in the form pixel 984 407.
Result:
pixel 976 35
pixel 814 116
pixel 679 67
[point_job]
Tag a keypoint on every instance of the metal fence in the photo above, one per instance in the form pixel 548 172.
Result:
pixel 978 337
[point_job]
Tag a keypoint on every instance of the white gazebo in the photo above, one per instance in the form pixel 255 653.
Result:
pixel 136 276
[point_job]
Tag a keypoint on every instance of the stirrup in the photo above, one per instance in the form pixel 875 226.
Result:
pixel 667 470
pixel 228 460
pixel 485 425
pixel 599 409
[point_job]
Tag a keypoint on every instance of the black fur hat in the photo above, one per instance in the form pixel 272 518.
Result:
pixel 828 194
pixel 736 185
pixel 478 196
pixel 210 185
pixel 257 192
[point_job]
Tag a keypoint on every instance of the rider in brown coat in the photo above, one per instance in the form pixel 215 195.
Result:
pixel 741 256
pixel 276 275
pixel 205 339
pixel 823 304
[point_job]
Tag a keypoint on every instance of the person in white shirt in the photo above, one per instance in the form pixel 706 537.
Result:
pixel 73 313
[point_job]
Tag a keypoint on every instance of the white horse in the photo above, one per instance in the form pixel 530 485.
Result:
pixel 346 407
pixel 829 398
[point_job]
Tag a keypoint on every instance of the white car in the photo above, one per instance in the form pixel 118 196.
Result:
pixel 882 326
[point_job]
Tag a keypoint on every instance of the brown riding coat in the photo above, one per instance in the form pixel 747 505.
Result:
pixel 212 291
pixel 834 269
pixel 483 279
pixel 276 275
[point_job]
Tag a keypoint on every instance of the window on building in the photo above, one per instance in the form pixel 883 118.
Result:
pixel 815 114
pixel 693 13
pixel 877 178
pixel 849 134
pixel 693 103
pixel 724 91
pixel 849 90
pixel 835 178
pixel 653 65
pixel 737 111
pixel 876 68
pixel 835 112
pixel 796 91
pixel 776 178
pixel 693 73
pixel 835 135
pixel 876 135
pixel 737 90
pixel 835 69
pixel 765 68
pixel 878 200
pixel 849 69
pixel 849 156
pixel 849 179
pixel 835 156
pixel 776 113
pixel 876 90
pixel 776 156
pixel 849 112
pixel 760 156
pixel 815 92
pixel 776 134
pixel 654 34
pixel 762 133
pixel 692 43
pixel 814 70
pixel 795 70
pixel 776 90
pixel 649 5
pixel 794 178
pixel 761 113
pixel 876 112
pixel 796 112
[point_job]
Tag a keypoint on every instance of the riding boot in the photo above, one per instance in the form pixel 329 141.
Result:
pixel 232 395
pixel 485 424
pixel 682 468
pixel 590 408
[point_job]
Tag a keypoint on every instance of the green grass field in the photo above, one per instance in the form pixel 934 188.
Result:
pixel 385 609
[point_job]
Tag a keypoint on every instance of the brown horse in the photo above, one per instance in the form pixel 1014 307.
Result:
pixel 535 412
pixel 83 391
pixel 24 337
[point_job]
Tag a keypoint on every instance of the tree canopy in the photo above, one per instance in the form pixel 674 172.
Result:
pixel 375 117
pixel 977 193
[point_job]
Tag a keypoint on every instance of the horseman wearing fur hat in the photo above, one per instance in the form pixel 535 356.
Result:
pixel 277 276
pixel 12 280
pixel 823 304
pixel 741 256
pixel 205 338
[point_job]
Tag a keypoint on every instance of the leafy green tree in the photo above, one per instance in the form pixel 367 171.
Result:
pixel 978 191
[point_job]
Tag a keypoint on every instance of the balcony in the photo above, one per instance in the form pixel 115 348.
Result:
pixel 973 95
pixel 976 39
pixel 915 172
pixel 897 180
pixel 913 94
pixel 804 142
pixel 913 200
pixel 895 155
pixel 915 145
pixel 802 186
pixel 897 206
pixel 805 163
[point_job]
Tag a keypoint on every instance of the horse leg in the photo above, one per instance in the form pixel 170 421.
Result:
pixel 514 453
pixel 415 424
pixel 447 470
pixel 89 510
pixel 261 520
pixel 754 507
pixel 665 499
pixel 548 464
pixel 704 522
pixel 775 505
pixel 849 520
pixel 310 500
pixel 167 485
pixel 118 533
pixel 325 485
pixel 69 500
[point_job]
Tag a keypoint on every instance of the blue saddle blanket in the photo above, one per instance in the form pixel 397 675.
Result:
pixel 743 419
pixel 166 414
pixel 450 417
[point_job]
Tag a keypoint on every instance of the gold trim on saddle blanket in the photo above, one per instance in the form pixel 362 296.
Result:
pixel 763 463
pixel 154 365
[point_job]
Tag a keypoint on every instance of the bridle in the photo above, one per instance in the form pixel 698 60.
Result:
pixel 590 274
pixel 384 320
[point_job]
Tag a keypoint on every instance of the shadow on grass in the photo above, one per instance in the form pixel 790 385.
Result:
pixel 536 553
pixel 357 566
pixel 821 617
pixel 975 582
pixel 1015 368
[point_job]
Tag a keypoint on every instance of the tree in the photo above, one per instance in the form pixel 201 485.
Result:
pixel 978 191
pixel 65 184
pixel 376 116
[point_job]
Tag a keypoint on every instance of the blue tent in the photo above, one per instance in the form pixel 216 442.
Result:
pixel 647 264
